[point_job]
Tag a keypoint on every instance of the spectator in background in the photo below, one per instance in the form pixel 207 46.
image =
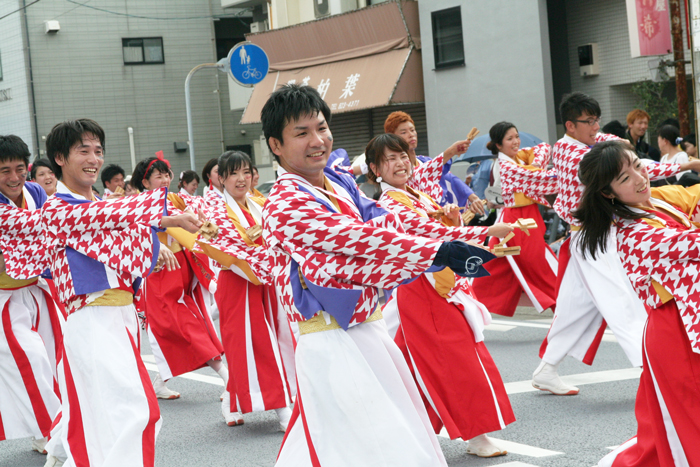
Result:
pixel 637 124
pixel 689 145
pixel 254 182
pixel 43 175
pixel 129 188
pixel 189 182
pixel 482 178
pixel 615 128
pixel 671 121
pixel 113 181
pixel 210 176
pixel 669 140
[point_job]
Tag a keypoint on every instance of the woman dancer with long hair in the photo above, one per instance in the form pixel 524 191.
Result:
pixel 660 251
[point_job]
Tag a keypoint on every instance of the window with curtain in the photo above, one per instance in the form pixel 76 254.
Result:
pixel 143 51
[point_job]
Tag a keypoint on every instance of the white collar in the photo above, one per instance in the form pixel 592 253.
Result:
pixel 63 189
pixel 503 157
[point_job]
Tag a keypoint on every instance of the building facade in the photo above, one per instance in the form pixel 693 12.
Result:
pixel 123 63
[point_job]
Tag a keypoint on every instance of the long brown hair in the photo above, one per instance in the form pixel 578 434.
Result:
pixel 597 210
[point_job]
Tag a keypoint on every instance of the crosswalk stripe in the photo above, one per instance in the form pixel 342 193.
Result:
pixel 502 325
pixel 516 464
pixel 513 447
pixel 215 380
pixel 581 379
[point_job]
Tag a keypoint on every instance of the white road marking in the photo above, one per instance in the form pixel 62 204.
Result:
pixel 513 447
pixel 215 380
pixel 498 327
pixel 516 464
pixel 581 379
pixel 504 325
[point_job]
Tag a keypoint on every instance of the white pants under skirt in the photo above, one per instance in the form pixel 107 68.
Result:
pixel 590 291
pixel 28 399
pixel 110 412
pixel 359 403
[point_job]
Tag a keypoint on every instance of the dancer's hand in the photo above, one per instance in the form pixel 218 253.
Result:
pixel 167 259
pixel 500 230
pixel 452 213
pixel 476 205
pixel 187 221
pixel 459 147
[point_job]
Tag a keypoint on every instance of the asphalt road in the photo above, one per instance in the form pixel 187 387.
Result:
pixel 549 431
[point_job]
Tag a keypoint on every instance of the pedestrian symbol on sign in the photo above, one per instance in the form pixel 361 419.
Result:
pixel 248 64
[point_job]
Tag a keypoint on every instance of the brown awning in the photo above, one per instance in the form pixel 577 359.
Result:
pixel 367 31
pixel 391 77
pixel 358 60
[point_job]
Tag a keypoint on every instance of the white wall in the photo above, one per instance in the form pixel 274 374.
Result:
pixel 507 74
pixel 15 114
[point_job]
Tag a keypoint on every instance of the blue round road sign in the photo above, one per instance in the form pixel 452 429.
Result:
pixel 248 63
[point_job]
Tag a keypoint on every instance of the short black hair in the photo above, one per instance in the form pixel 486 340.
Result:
pixel 67 134
pixel 109 172
pixel 671 121
pixel 144 170
pixel 576 104
pixel 207 169
pixel 287 104
pixel 13 148
pixel 671 134
pixel 689 139
pixel 231 161
pixel 254 169
pixel 187 176
pixel 35 167
pixel 616 128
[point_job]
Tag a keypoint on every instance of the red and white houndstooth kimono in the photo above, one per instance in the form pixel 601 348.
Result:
pixel 98 253
pixel 426 177
pixel 591 293
pixel 248 308
pixel 441 330
pixel 30 325
pixel 534 270
pixel 351 377
pixel 661 255
pixel 180 330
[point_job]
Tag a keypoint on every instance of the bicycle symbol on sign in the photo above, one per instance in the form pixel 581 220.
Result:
pixel 251 72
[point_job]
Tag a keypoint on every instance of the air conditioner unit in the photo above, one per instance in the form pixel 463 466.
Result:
pixel 258 26
pixel 321 8
pixel 51 27
pixel 588 61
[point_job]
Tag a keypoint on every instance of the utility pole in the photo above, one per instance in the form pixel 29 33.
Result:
pixel 679 62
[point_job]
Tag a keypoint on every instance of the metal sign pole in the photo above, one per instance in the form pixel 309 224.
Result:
pixel 188 105
pixel 250 68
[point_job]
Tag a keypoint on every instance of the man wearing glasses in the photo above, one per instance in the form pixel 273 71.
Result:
pixel 592 292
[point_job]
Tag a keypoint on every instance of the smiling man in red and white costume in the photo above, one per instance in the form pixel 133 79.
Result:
pixel 592 293
pixel 30 327
pixel 98 252
pixel 331 249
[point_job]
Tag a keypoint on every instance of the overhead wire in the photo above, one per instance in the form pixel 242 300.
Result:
pixel 158 18
pixel 19 9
